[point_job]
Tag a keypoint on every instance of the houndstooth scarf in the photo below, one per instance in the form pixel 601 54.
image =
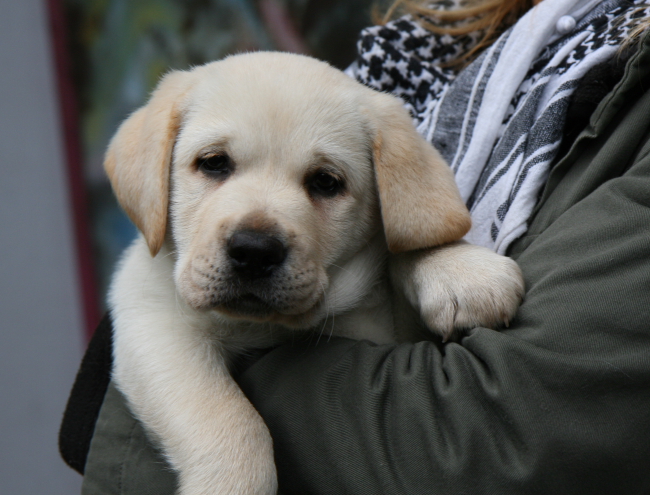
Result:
pixel 498 122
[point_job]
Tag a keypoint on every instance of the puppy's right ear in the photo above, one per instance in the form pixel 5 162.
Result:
pixel 139 157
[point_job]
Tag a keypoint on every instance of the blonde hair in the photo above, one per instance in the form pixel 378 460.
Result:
pixel 488 17
pixel 635 34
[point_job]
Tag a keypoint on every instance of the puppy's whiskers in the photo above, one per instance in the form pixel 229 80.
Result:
pixel 307 236
pixel 327 310
pixel 329 337
pixel 334 265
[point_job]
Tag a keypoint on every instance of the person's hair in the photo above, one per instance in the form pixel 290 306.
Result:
pixel 637 31
pixel 489 17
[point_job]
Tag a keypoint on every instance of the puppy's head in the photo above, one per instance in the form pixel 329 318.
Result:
pixel 268 174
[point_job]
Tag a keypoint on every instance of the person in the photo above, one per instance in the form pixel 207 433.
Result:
pixel 543 113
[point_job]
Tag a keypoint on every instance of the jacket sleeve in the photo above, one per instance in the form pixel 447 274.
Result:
pixel 557 403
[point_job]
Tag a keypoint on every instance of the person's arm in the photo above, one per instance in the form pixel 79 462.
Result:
pixel 557 403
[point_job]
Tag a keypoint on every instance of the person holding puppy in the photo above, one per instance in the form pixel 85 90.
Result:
pixel 542 112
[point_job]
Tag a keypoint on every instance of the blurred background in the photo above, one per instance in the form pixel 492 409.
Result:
pixel 71 71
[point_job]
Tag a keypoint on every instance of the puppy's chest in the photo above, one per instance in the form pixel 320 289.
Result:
pixel 371 319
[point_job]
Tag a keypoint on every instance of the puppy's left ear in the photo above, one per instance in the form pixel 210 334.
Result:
pixel 421 206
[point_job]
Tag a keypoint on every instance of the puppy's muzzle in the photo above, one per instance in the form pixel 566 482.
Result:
pixel 255 255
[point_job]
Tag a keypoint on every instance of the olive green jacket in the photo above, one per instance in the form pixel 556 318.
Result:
pixel 558 403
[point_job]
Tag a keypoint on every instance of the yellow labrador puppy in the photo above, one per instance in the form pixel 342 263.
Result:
pixel 269 190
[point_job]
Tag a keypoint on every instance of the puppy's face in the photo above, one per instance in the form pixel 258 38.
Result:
pixel 272 186
pixel 269 175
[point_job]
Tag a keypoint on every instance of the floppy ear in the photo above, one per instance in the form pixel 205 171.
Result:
pixel 139 156
pixel 421 206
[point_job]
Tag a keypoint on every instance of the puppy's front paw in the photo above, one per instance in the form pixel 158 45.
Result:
pixel 259 482
pixel 461 286
pixel 247 468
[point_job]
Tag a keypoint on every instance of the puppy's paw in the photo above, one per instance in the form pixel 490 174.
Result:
pixel 460 286
pixel 259 483
pixel 254 475
pixel 233 455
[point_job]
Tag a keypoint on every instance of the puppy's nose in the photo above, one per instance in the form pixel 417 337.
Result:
pixel 255 254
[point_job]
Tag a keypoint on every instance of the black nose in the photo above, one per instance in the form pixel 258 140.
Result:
pixel 255 254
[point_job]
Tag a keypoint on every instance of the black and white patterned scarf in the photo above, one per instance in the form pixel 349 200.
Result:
pixel 499 122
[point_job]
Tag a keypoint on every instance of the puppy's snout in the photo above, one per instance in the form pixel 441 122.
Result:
pixel 255 254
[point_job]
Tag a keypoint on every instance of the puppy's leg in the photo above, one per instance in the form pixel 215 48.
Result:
pixel 459 285
pixel 173 372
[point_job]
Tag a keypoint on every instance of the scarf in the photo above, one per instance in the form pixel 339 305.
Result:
pixel 500 121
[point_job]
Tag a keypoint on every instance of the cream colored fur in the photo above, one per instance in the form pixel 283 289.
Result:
pixel 177 304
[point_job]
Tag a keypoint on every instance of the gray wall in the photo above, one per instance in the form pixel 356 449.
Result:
pixel 40 311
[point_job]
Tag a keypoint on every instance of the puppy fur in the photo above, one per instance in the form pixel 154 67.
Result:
pixel 283 159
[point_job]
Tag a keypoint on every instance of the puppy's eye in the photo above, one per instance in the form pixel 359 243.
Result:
pixel 324 184
pixel 218 166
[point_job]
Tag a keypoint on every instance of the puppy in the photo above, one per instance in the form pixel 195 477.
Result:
pixel 269 190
